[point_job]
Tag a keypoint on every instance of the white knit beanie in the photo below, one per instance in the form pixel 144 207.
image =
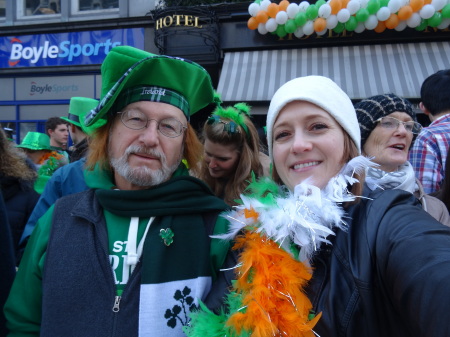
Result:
pixel 322 92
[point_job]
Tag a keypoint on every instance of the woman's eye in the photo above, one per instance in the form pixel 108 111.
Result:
pixel 281 135
pixel 318 126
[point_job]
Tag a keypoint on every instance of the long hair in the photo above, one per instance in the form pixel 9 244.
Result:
pixel 13 161
pixel 247 145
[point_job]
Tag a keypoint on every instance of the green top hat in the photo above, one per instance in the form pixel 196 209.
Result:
pixel 35 141
pixel 78 107
pixel 126 67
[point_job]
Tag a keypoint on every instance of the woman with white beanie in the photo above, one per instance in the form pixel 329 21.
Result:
pixel 317 258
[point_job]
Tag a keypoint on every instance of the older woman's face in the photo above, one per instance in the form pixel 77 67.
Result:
pixel 307 143
pixel 389 147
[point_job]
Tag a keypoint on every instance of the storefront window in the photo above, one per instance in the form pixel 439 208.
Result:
pixel 2 8
pixel 42 7
pixel 87 5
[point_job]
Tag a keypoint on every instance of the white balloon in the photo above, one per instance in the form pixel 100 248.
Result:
pixel 322 32
pixel 394 5
pixel 332 22
pixel 414 20
pixel 308 28
pixel 371 22
pixel 427 11
pixel 444 24
pixel 401 26
pixel 271 25
pixel 292 10
pixel 262 29
pixel 343 15
pixel 438 4
pixel 253 9
pixel 325 11
pixel 303 6
pixel 299 32
pixel 383 14
pixel 360 27
pixel 353 6
pixel 281 17
pixel 264 4
pixel 364 3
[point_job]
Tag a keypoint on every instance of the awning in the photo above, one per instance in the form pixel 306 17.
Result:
pixel 361 71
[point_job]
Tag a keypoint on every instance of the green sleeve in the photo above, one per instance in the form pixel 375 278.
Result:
pixel 23 307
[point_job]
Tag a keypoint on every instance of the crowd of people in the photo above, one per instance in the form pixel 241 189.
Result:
pixel 340 226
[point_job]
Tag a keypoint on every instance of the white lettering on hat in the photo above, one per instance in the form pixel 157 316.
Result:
pixel 153 91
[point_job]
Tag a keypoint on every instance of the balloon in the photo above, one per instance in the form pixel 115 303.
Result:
pixel 290 26
pixel 362 15
pixel 438 4
pixel 416 5
pixel 281 17
pixel 343 15
pixel 252 23
pixel 423 24
pixel 281 32
pixel 320 3
pixel 300 18
pixel 401 26
pixel 323 32
pixel 384 3
pixel 351 24
pixel 303 6
pixel 381 27
pixel 262 29
pixel 427 2
pixel 371 22
pixel 405 13
pixel 373 6
pixel 353 6
pixel 271 25
pixel 325 11
pixel 336 6
pixel 435 20
pixel 272 10
pixel 332 22
pixel 444 24
pixel 262 17
pixel 446 11
pixel 427 11
pixel 308 28
pixel 299 32
pixel 414 20
pixel 392 21
pixel 394 5
pixel 339 28
pixel 264 4
pixel 312 12
pixel 360 27
pixel 292 10
pixel 283 5
pixel 320 24
pixel 383 14
pixel 253 9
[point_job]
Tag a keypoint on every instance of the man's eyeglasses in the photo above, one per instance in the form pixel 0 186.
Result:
pixel 393 123
pixel 230 127
pixel 136 120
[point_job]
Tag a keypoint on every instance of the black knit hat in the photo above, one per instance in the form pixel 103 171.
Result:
pixel 373 108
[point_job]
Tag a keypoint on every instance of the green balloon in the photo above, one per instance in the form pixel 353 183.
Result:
pixel 435 20
pixel 312 12
pixel 300 19
pixel 423 25
pixel 384 3
pixel 446 11
pixel 320 3
pixel 373 6
pixel 339 28
pixel 290 26
pixel 281 31
pixel 362 15
pixel 351 24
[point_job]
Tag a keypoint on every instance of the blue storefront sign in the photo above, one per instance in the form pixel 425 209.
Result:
pixel 65 49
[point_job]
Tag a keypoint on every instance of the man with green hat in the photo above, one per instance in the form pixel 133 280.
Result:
pixel 78 107
pixel 132 255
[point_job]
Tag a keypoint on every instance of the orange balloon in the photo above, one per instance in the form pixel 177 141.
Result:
pixel 336 6
pixel 272 10
pixel 283 5
pixel 381 27
pixel 319 24
pixel 392 21
pixel 416 5
pixel 262 17
pixel 345 3
pixel 426 2
pixel 405 13
pixel 252 23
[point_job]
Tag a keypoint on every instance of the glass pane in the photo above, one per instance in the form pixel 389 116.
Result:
pixel 42 7
pixel 2 8
pixel 87 5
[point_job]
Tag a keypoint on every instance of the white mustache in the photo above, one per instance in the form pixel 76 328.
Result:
pixel 132 149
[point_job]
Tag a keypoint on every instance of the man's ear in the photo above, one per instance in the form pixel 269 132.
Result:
pixel 424 109
pixel 72 128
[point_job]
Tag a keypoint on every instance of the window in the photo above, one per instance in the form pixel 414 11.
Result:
pixel 41 7
pixel 87 5
pixel 2 8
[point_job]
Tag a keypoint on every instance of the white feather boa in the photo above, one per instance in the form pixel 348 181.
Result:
pixel 306 216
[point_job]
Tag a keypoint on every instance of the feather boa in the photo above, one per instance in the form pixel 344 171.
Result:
pixel 267 298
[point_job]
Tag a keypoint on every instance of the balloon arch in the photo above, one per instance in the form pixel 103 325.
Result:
pixel 350 15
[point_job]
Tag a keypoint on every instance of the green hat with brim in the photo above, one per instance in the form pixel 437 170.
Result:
pixel 78 107
pixel 35 141
pixel 127 67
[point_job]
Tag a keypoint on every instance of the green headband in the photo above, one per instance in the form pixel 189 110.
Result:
pixel 236 113
pixel 152 94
